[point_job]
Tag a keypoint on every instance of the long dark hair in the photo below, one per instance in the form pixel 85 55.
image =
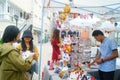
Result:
pixel 27 33
pixel 56 35
pixel 24 47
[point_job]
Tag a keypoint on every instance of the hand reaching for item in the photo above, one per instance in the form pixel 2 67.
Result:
pixel 36 56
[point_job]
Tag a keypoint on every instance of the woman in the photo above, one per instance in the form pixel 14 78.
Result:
pixel 56 44
pixel 12 65
pixel 27 45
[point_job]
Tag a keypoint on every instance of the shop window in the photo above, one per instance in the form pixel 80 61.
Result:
pixel 1 8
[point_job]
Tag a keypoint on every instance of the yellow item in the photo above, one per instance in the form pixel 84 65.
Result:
pixel 67 9
pixel 62 17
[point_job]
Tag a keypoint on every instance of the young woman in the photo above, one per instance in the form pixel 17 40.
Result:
pixel 27 45
pixel 56 44
pixel 12 65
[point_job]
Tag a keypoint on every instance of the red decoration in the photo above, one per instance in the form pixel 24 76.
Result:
pixel 92 78
pixel 76 15
pixel 111 22
pixel 48 4
pixel 73 15
pixel 58 24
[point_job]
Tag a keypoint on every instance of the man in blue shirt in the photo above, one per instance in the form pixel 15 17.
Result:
pixel 107 56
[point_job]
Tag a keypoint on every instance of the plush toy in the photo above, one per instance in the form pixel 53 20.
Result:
pixel 57 70
pixel 58 23
pixel 62 17
pixel 67 45
pixel 65 56
pixel 64 73
pixel 67 9
pixel 67 48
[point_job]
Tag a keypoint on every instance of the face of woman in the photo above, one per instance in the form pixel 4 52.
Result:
pixel 27 39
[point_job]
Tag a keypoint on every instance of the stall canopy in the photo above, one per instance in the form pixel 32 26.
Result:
pixel 104 9
pixel 84 22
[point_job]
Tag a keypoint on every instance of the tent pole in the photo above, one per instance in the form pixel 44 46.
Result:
pixel 40 55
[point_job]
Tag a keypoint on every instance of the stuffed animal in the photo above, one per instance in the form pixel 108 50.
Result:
pixel 67 45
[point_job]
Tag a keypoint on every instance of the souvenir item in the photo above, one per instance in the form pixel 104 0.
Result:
pixel 67 9
pixel 63 74
pixel 85 34
pixel 48 62
pixel 65 56
pixel 26 54
pixel 51 66
pixel 67 45
pixel 62 17
pixel 57 70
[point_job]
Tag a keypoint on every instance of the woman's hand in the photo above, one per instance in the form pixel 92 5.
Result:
pixel 35 56
pixel 21 52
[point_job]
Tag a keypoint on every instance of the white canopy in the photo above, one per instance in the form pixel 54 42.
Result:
pixel 84 22
pixel 105 9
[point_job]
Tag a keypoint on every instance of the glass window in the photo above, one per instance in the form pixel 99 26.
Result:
pixel 1 8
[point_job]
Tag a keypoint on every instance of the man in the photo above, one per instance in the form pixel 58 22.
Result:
pixel 107 56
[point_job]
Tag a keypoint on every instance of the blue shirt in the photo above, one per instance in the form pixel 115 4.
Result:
pixel 106 49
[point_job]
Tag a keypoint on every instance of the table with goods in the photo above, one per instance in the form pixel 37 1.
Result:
pixel 76 55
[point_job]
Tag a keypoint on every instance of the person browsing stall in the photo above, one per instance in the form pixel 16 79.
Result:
pixel 27 46
pixel 56 44
pixel 107 56
pixel 12 65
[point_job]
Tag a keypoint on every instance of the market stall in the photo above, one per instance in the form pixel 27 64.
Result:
pixel 81 49
pixel 52 75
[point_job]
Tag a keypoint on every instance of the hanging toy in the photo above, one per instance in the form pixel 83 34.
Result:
pixel 67 45
pixel 58 24
pixel 67 9
pixel 67 48
pixel 62 17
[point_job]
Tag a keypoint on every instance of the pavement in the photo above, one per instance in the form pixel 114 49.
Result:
pixel 46 53
pixel 45 56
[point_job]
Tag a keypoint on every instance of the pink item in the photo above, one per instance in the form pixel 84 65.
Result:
pixel 84 34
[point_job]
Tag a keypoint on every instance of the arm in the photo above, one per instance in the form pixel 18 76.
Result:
pixel 114 55
pixel 98 55
pixel 18 62
pixel 36 53
pixel 113 47
pixel 19 48
pixel 59 44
